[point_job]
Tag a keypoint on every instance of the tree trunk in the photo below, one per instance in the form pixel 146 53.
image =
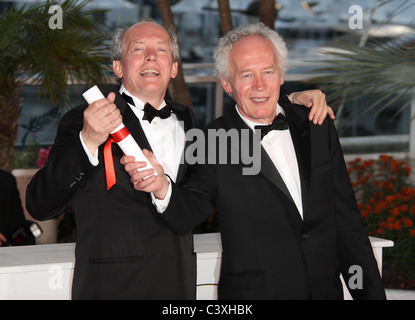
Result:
pixel 225 16
pixel 178 88
pixel 10 106
pixel 267 13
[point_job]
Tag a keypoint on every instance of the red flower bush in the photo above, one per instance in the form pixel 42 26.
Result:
pixel 386 200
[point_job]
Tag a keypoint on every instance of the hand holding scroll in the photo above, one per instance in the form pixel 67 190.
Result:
pixel 100 118
pixel 145 180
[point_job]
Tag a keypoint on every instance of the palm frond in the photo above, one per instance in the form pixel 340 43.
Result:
pixel 386 71
pixel 51 58
pixel 37 123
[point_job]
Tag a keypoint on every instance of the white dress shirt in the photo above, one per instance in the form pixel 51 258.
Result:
pixel 279 147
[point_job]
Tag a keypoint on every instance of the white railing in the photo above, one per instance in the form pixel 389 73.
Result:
pixel 45 272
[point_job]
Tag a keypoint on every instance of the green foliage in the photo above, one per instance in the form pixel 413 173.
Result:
pixel 53 58
pixel 384 70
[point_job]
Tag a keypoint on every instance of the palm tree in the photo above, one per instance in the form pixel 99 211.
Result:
pixel 267 13
pixel 32 52
pixel 225 16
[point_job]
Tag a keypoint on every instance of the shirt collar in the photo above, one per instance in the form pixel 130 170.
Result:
pixel 251 123
pixel 138 103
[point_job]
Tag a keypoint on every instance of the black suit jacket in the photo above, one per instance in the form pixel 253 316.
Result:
pixel 269 251
pixel 123 250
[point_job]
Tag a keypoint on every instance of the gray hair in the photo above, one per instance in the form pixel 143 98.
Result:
pixel 225 44
pixel 118 37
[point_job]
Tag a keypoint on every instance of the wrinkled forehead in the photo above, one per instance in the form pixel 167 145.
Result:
pixel 250 42
pixel 254 50
pixel 146 30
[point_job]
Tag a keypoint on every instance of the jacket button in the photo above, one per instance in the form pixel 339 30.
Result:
pixel 304 236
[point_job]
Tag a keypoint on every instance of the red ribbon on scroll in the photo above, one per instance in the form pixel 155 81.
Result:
pixel 108 160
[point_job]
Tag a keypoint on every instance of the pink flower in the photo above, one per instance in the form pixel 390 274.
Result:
pixel 43 157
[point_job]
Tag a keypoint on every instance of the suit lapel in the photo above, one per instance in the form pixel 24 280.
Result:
pixel 269 172
pixel 183 114
pixel 297 118
pixel 301 141
pixel 134 126
pixel 268 169
pixel 132 123
pixel 136 130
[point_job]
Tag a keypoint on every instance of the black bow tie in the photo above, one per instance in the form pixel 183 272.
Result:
pixel 279 123
pixel 149 111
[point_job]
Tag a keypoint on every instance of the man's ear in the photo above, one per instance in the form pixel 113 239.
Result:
pixel 175 70
pixel 226 86
pixel 117 67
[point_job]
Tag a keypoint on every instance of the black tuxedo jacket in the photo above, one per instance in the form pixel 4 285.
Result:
pixel 269 251
pixel 123 250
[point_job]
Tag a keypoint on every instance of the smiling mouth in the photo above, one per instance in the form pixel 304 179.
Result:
pixel 149 73
pixel 259 99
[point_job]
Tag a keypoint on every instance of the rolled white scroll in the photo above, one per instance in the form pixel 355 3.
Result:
pixel 121 135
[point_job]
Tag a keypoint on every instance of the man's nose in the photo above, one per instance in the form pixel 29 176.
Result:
pixel 259 83
pixel 151 54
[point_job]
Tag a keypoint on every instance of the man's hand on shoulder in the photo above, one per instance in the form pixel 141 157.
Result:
pixel 316 100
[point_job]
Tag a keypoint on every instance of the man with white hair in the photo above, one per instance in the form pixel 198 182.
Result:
pixel 289 231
